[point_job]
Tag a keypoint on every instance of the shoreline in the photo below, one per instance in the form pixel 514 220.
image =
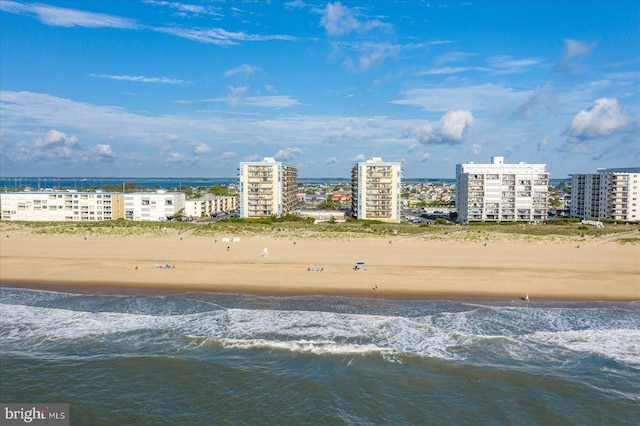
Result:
pixel 402 268
pixel 98 289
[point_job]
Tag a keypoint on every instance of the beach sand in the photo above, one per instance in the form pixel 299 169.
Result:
pixel 399 267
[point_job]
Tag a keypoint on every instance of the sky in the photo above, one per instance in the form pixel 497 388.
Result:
pixel 156 88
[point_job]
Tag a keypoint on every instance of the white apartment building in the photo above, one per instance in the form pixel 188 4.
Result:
pixel 500 192
pixel 209 205
pixel 267 188
pixel 153 206
pixel 606 194
pixel 62 206
pixel 375 190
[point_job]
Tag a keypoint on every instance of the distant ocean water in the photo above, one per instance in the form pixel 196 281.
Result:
pixel 207 358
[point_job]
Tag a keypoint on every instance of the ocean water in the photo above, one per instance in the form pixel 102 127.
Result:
pixel 207 358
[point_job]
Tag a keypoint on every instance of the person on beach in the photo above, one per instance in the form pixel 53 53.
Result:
pixel 526 300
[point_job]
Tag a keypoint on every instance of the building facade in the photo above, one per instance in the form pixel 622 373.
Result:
pixel 375 190
pixel 209 205
pixel 499 192
pixel 61 206
pixel 607 194
pixel 153 206
pixel 267 188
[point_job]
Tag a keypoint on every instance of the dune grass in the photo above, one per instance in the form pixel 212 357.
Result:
pixel 571 230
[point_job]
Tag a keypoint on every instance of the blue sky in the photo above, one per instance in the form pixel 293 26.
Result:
pixel 169 88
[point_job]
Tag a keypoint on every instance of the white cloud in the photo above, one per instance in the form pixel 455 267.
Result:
pixel 476 149
pixel 449 130
pixel 244 69
pixel 270 101
pixel 360 157
pixel 62 17
pixel 454 124
pixel 506 65
pixel 200 148
pixel 288 153
pixel 574 48
pixel 140 79
pixel 219 36
pixel 574 51
pixel 104 152
pixel 55 138
pixel 331 160
pixel 450 70
pixel 452 56
pixel 228 155
pixel 174 157
pixel 295 4
pixel 422 156
pixel 338 20
pixel 603 118
pixel 237 95
pixel 184 9
pixel 483 97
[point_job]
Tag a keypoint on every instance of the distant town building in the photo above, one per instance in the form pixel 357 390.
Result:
pixel 606 194
pixel 375 190
pixel 499 192
pixel 210 204
pixel 61 206
pixel 153 206
pixel 267 188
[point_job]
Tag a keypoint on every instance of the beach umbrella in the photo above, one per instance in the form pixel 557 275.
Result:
pixel 359 263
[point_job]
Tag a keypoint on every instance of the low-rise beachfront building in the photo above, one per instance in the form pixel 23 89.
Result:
pixel 267 188
pixel 210 204
pixel 61 206
pixel 319 216
pixel 608 194
pixel 375 190
pixel 500 192
pixel 153 206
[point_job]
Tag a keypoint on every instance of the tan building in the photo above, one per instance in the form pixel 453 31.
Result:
pixel 61 206
pixel 267 188
pixel 607 194
pixel 375 190
pixel 209 205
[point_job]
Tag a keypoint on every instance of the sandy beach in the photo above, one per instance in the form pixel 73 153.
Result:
pixel 412 267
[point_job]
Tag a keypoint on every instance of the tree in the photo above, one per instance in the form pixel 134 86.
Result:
pixel 220 190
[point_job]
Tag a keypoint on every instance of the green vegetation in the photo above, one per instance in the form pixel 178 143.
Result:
pixel 221 190
pixel 634 240
pixel 293 226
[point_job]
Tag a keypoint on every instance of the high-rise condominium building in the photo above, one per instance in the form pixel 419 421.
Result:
pixel 606 194
pixel 375 190
pixel 499 192
pixel 267 188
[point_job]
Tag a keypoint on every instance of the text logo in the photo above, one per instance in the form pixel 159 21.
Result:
pixel 39 414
